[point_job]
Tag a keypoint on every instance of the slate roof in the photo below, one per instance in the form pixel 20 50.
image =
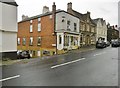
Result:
pixel 101 19
pixel 82 17
pixel 45 14
pixel 10 2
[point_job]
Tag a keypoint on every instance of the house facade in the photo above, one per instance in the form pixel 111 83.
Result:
pixel 101 29
pixel 52 32
pixel 86 26
pixel 112 33
pixel 67 29
pixel 8 29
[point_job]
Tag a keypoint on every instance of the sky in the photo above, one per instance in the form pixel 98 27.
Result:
pixel 106 9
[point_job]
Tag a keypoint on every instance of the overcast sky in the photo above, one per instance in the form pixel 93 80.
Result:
pixel 107 9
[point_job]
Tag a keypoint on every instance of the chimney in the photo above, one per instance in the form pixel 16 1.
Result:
pixel 53 7
pixel 24 17
pixel 88 14
pixel 45 9
pixel 69 7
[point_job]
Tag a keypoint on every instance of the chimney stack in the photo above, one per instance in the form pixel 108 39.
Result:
pixel 69 7
pixel 88 13
pixel 24 17
pixel 54 7
pixel 45 9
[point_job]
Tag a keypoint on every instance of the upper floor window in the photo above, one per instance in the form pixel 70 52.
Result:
pixel 18 41
pixel 31 21
pixel 68 25
pixel 39 19
pixel 31 41
pixel 23 41
pixel 39 27
pixel 75 27
pixel 39 41
pixel 50 16
pixel 88 28
pixel 31 28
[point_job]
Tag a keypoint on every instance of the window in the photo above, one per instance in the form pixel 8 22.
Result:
pixel 31 21
pixel 68 25
pixel 18 41
pixel 23 41
pixel 39 27
pixel 39 41
pixel 31 40
pixel 75 27
pixel 31 30
pixel 50 16
pixel 39 19
pixel 60 39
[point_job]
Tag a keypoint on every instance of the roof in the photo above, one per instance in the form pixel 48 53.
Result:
pixel 82 16
pixel 101 19
pixel 10 2
pixel 44 14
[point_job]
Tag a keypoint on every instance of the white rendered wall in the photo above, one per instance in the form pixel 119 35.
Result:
pixel 9 42
pixel 9 17
pixel 63 25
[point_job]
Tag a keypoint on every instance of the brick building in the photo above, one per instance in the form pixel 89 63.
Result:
pixel 46 34
pixel 112 33
pixel 87 27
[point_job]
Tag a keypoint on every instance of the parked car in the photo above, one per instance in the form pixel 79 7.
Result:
pixel 115 43
pixel 107 43
pixel 100 44
pixel 23 54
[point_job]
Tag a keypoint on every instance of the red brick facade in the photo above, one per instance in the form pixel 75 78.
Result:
pixel 47 35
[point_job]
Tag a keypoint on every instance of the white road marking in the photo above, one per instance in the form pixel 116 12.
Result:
pixel 99 53
pixel 67 63
pixel 17 76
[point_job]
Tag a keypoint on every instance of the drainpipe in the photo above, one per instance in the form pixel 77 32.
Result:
pixel 54 19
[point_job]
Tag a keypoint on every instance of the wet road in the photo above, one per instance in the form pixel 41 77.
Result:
pixel 93 68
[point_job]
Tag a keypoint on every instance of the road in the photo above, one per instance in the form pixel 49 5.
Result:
pixel 98 67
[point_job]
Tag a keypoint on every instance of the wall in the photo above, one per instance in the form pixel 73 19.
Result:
pixel 0 16
pixel 0 41
pixel 9 17
pixel 60 46
pixel 9 42
pixel 101 30
pixel 63 25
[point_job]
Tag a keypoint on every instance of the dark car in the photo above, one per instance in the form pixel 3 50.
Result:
pixel 23 54
pixel 115 43
pixel 100 44
pixel 107 43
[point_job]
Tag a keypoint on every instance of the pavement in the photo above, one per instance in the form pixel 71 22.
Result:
pixel 97 67
pixel 33 60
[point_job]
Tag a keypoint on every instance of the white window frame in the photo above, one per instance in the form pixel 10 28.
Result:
pixel 31 21
pixel 24 41
pixel 31 28
pixel 39 19
pixel 51 16
pixel 31 41
pixel 38 42
pixel 18 41
pixel 39 27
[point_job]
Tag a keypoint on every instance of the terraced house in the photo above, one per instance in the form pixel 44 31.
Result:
pixel 52 32
pixel 101 29
pixel 87 27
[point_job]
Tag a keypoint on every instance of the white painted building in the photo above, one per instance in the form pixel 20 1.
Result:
pixel 119 17
pixel 67 28
pixel 101 29
pixel 8 28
